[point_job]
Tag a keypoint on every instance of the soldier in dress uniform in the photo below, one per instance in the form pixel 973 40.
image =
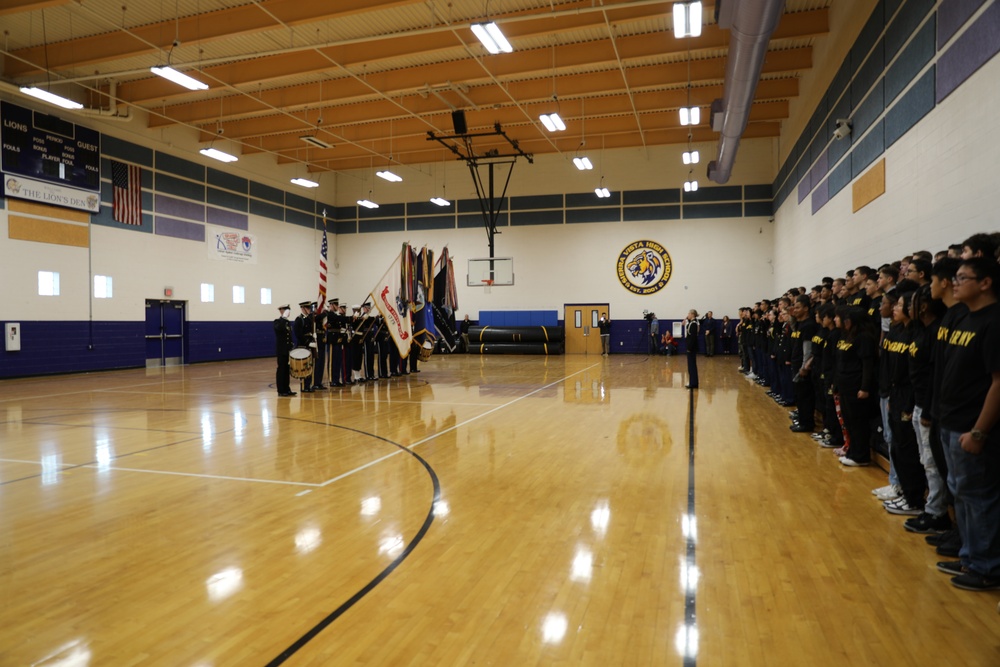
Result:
pixel 331 330
pixel 369 342
pixel 319 326
pixel 283 345
pixel 303 330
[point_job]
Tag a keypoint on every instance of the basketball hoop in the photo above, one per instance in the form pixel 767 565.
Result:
pixel 487 284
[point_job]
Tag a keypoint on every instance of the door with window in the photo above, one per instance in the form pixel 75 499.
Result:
pixel 583 335
pixel 164 333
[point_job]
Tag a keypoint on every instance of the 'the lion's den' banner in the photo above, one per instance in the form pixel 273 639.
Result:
pixel 231 245
pixel 644 267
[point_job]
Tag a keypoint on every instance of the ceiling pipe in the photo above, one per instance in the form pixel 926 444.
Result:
pixel 751 23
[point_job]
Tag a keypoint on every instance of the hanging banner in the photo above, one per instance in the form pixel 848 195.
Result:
pixel 48 193
pixel 231 245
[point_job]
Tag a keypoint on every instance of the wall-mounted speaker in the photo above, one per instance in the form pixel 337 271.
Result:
pixel 458 120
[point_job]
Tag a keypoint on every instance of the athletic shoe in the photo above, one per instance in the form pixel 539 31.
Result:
pixel 946 536
pixel 952 567
pixel 840 452
pixel 828 443
pixel 971 581
pixel 928 523
pixel 900 507
pixel 851 463
pixel 888 492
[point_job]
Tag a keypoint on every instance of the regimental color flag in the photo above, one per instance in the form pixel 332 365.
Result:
pixel 388 298
pixel 321 301
pixel 126 183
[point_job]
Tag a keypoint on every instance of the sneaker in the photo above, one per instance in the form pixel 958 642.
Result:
pixel 847 461
pixel 971 581
pixel 840 452
pixel 900 507
pixel 952 567
pixel 938 540
pixel 928 523
pixel 828 443
pixel 949 549
pixel 888 492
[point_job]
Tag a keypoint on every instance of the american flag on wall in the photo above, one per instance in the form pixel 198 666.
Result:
pixel 126 184
pixel 321 301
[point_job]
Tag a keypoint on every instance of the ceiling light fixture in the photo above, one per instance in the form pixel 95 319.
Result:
pixel 583 163
pixel 691 186
pixel 179 78
pixel 602 192
pixel 690 115
pixel 491 37
pixel 690 157
pixel 216 154
pixel 51 98
pixel 687 19
pixel 315 141
pixel 389 176
pixel 552 122
pixel 440 201
pixel 367 203
pixel 305 182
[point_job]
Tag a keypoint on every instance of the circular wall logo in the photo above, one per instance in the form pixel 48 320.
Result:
pixel 644 267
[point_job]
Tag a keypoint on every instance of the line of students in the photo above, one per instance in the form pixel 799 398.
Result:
pixel 907 357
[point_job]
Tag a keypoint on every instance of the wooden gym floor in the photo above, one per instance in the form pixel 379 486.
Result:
pixel 497 510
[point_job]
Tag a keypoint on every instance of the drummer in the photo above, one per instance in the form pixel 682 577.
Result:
pixel 283 345
pixel 303 329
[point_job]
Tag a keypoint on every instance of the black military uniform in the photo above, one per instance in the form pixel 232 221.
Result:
pixel 303 329
pixel 283 345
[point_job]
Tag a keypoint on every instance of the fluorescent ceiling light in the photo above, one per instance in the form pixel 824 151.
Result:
pixel 216 154
pixel 602 192
pixel 552 122
pixel 313 140
pixel 180 79
pixel 440 201
pixel 583 163
pixel 687 19
pixel 491 37
pixel 690 186
pixel 389 176
pixel 51 98
pixel 690 157
pixel 305 182
pixel 690 115
pixel 367 204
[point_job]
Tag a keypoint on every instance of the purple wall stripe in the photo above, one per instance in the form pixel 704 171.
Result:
pixel 820 196
pixel 220 216
pixel 952 15
pixel 804 189
pixel 970 52
pixel 179 208
pixel 180 229
pixel 819 169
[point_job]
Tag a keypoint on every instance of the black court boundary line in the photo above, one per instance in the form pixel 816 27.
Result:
pixel 691 594
pixel 354 599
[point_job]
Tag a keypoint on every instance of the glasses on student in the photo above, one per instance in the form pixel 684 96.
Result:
pixel 961 278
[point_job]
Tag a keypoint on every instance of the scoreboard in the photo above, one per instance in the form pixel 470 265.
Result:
pixel 56 158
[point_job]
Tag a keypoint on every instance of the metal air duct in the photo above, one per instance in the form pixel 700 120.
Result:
pixel 750 23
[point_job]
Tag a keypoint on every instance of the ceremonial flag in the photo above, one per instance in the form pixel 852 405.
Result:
pixel 321 301
pixel 126 184
pixel 395 311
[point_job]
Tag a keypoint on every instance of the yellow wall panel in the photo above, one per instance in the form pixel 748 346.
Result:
pixel 56 212
pixel 869 187
pixel 47 231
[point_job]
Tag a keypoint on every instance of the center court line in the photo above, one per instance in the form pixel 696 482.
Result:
pixel 440 433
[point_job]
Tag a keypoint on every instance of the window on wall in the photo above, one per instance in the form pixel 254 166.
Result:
pixel 102 287
pixel 239 294
pixel 48 283
pixel 207 292
pixel 265 296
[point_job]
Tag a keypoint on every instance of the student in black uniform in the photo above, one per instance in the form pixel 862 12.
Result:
pixel 691 343
pixel 282 346
pixel 303 330
pixel 969 409
pixel 855 381
pixel 803 329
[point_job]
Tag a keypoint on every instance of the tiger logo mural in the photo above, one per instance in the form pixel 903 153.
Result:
pixel 644 267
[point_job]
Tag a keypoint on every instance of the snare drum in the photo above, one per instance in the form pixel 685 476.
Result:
pixel 300 362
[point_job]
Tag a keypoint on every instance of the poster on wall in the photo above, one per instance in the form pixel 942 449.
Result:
pixel 231 245
pixel 49 160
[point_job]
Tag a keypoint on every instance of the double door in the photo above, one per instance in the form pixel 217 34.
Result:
pixel 583 334
pixel 164 333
